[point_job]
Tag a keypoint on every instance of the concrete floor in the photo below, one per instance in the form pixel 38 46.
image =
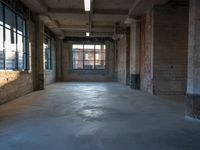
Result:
pixel 96 116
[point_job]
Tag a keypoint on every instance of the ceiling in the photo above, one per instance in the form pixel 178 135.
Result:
pixel 68 18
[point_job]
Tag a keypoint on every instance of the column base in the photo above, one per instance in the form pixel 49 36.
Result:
pixel 193 106
pixel 135 81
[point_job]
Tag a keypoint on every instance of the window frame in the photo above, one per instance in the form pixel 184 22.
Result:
pixel 94 69
pixel 25 50
pixel 49 59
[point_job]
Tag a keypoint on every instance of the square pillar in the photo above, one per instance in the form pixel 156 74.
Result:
pixel 39 58
pixel 193 81
pixel 134 53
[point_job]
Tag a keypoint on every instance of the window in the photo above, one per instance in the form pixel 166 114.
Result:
pixel 1 39
pixel 88 56
pixel 13 40
pixel 47 53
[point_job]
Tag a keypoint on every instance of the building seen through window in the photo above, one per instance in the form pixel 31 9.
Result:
pixel 89 56
pixel 47 53
pixel 13 40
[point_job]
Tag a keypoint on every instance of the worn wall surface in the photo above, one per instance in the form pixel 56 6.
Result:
pixel 170 49
pixel 135 53
pixel 146 53
pixel 193 81
pixel 135 47
pixel 50 75
pixel 14 84
pixel 68 74
pixel 123 59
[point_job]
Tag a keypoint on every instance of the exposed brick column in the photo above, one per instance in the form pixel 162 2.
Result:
pixel 134 53
pixel 39 71
pixel 193 82
pixel 59 43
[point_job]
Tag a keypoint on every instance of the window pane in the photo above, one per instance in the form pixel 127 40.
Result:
pixel 100 64
pixel 20 61
pixel 89 64
pixel 10 19
pixel 88 46
pixel 1 59
pixel 10 60
pixel 20 43
pixel 89 57
pixel 1 48
pixel 97 47
pixel 78 64
pixel 20 25
pixel 100 56
pixel 100 48
pixel 47 58
pixel 77 50
pixel 47 53
pixel 77 46
pixel 10 48
pixel 1 14
pixel 10 40
pixel 1 38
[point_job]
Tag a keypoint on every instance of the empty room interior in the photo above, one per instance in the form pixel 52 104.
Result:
pixel 99 75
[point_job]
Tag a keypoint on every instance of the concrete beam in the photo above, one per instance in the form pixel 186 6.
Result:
pixel 84 28
pixel 82 34
pixel 52 25
pixel 81 11
pixel 140 6
pixel 193 78
pixel 36 6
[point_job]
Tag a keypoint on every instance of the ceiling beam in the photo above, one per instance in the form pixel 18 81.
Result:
pixel 83 28
pixel 82 34
pixel 81 11
pixel 52 25
pixel 66 11
pixel 37 6
pixel 139 7
pixel 111 11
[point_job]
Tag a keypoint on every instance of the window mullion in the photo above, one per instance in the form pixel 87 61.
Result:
pixel 16 53
pixel 94 57
pixel 50 54
pixel 26 50
pixel 4 51
pixel 83 56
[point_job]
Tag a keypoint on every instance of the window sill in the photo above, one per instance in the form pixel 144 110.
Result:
pixel 89 69
pixel 15 71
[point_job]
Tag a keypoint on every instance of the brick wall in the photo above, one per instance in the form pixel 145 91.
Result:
pixel 123 61
pixel 146 53
pixel 68 74
pixel 170 49
pixel 14 84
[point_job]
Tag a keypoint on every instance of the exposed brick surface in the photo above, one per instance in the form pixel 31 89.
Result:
pixel 68 74
pixel 122 59
pixel 170 49
pixel 14 84
pixel 146 53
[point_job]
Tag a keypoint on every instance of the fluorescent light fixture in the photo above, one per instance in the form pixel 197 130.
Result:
pixel 87 4
pixel 87 33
